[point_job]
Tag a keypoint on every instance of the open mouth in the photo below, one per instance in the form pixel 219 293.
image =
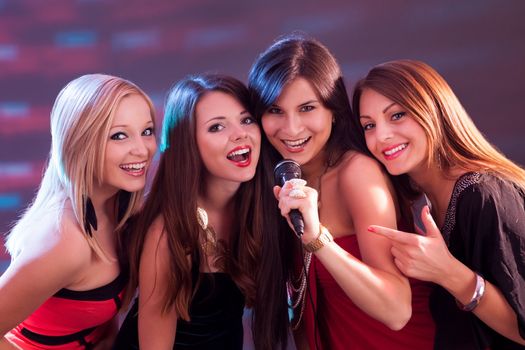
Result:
pixel 296 144
pixel 134 168
pixel 241 156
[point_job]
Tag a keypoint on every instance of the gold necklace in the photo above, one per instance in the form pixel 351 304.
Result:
pixel 209 241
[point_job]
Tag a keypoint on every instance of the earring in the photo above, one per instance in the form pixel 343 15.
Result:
pixel 123 203
pixel 90 217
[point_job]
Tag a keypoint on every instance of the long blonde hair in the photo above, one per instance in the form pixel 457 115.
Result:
pixel 452 137
pixel 80 122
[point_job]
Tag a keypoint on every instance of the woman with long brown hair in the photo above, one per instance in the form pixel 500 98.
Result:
pixel 348 294
pixel 195 246
pixel 414 124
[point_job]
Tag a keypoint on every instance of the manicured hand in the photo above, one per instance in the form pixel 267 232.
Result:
pixel 423 257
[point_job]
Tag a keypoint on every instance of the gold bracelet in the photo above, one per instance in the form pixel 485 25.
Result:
pixel 320 241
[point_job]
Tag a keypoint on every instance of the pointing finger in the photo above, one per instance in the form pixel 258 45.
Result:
pixel 394 235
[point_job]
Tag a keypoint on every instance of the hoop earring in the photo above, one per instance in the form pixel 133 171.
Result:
pixel 90 217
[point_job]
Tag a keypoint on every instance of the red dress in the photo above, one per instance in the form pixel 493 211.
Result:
pixel 342 325
pixel 70 320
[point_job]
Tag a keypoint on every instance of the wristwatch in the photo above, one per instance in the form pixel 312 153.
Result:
pixel 323 238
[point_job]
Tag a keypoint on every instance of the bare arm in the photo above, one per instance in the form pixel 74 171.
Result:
pixel 493 309
pixel 375 284
pixel 38 273
pixel 428 258
pixel 156 329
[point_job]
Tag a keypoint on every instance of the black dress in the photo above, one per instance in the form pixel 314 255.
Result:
pixel 216 318
pixel 484 229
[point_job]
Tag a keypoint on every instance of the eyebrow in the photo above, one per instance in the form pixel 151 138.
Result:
pixel 384 111
pixel 221 117
pixel 300 105
pixel 125 125
pixel 388 107
pixel 308 102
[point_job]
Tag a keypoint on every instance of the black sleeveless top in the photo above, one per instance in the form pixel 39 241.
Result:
pixel 216 318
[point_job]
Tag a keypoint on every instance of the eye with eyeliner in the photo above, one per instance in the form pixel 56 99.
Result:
pixel 118 136
pixel 307 108
pixel 274 110
pixel 215 127
pixel 367 126
pixel 397 116
pixel 121 135
pixel 148 132
pixel 248 120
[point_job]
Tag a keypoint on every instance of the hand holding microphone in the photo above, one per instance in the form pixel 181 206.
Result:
pixel 287 174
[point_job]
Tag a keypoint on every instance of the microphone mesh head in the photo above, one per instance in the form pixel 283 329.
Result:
pixel 285 170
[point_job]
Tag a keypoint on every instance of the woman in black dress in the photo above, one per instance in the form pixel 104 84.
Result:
pixel 194 248
pixel 414 124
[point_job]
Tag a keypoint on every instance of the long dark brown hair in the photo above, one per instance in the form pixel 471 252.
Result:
pixel 173 196
pixel 290 57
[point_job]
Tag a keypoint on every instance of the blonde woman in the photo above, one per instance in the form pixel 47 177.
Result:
pixel 62 288
pixel 414 124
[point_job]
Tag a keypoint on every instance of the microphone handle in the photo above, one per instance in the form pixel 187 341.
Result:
pixel 297 221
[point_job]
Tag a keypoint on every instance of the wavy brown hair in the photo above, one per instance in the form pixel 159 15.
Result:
pixel 173 196
pixel 452 137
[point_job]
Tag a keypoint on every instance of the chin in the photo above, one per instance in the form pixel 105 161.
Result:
pixel 395 171
pixel 246 177
pixel 133 188
pixel 298 158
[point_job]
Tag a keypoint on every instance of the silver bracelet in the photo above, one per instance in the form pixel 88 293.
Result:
pixel 476 297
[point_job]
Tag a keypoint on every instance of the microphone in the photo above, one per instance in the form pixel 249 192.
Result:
pixel 285 170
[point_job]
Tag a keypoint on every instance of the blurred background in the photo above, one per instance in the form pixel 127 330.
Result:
pixel 477 45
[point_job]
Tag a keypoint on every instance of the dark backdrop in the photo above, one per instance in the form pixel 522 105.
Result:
pixel 478 45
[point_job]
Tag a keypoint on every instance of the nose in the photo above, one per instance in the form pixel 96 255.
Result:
pixel 293 125
pixel 384 132
pixel 139 147
pixel 238 133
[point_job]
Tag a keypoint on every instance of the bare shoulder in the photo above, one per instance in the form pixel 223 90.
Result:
pixel 155 234
pixel 72 242
pixel 357 169
pixel 55 243
pixel 156 240
pixel 54 257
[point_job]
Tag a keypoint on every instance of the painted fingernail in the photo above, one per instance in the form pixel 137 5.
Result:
pixel 371 229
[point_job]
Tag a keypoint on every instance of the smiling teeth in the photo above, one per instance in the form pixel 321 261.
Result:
pixel 395 149
pixel 296 143
pixel 134 166
pixel 239 152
